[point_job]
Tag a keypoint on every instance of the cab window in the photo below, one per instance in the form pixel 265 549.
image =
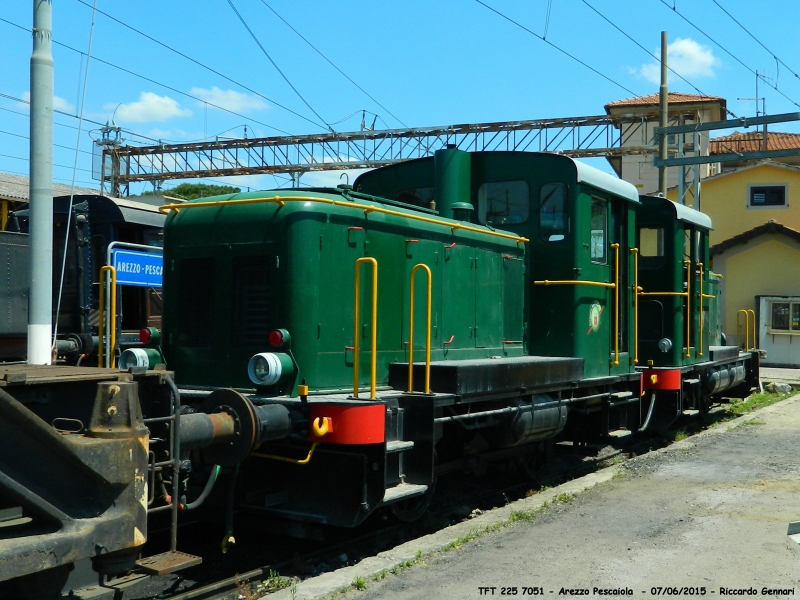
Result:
pixel 599 231
pixel 553 224
pixel 651 241
pixel 503 202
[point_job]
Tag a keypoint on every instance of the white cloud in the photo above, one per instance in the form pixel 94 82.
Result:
pixel 149 108
pixel 686 57
pixel 58 103
pixel 229 99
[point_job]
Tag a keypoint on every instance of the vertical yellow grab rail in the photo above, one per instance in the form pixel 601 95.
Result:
pixel 702 296
pixel 746 346
pixel 750 311
pixel 688 264
pixel 357 320
pixel 636 290
pixel 427 332
pixel 101 317
pixel 616 304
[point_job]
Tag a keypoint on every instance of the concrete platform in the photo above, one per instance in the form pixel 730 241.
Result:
pixel 708 513
pixel 776 375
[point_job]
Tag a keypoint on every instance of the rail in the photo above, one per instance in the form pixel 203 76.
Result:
pixel 427 331
pixel 112 321
pixel 356 321
pixel 614 286
pixel 367 208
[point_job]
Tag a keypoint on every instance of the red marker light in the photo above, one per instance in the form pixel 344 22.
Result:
pixel 276 338
pixel 145 335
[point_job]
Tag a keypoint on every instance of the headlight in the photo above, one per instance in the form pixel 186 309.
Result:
pixel 665 344
pixel 270 368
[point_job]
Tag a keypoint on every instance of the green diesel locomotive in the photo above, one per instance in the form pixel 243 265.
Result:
pixel 439 314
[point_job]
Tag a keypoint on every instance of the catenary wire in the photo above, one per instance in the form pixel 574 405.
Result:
pixel 623 32
pixel 564 52
pixel 330 62
pixel 164 85
pixel 724 49
pixel 204 66
pixel 74 175
pixel 54 164
pixel 747 31
pixel 274 64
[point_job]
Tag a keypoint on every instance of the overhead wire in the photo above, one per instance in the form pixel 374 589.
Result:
pixel 724 49
pixel 54 164
pixel 164 85
pixel 623 32
pixel 25 137
pixel 274 64
pixel 747 31
pixel 330 62
pixel 564 52
pixel 74 175
pixel 204 66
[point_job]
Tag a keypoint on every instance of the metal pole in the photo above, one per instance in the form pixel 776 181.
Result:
pixel 663 107
pixel 40 315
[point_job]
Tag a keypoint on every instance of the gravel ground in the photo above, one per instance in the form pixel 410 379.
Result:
pixel 708 514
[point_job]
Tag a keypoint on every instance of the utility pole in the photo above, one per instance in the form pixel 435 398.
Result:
pixel 663 112
pixel 763 110
pixel 40 313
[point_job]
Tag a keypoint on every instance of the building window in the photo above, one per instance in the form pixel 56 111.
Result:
pixel 503 202
pixel 597 243
pixel 766 195
pixel 553 224
pixel 784 317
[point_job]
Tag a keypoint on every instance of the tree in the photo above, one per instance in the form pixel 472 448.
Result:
pixel 192 191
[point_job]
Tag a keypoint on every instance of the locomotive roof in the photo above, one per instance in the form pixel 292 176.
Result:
pixel 684 213
pixel 604 181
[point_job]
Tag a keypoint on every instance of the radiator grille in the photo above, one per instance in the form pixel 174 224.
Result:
pixel 250 301
pixel 197 302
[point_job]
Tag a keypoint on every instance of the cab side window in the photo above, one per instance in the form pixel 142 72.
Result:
pixel 599 231
pixel 553 222
pixel 503 202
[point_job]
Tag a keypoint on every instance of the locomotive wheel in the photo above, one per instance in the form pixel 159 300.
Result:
pixel 533 463
pixel 408 511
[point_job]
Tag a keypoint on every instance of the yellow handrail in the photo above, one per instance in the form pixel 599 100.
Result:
pixel 688 264
pixel 614 286
pixel 702 295
pixel 616 304
pixel 112 320
pixel 427 333
pixel 573 282
pixel 367 208
pixel 294 461
pixel 755 341
pixel 357 319
pixel 746 347
pixel 635 252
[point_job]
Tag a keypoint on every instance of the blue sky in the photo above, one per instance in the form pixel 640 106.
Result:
pixel 428 63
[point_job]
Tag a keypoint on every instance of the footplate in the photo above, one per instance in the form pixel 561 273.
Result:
pixel 167 562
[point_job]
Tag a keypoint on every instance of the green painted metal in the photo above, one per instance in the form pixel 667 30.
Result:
pixel 558 319
pixel 452 180
pixel 665 316
pixel 302 256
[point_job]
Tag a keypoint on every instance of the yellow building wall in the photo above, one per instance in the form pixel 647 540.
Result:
pixel 724 199
pixel 769 265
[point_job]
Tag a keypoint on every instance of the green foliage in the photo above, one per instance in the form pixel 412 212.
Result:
pixel 360 583
pixel 192 191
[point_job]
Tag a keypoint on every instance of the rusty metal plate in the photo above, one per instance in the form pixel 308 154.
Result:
pixel 167 562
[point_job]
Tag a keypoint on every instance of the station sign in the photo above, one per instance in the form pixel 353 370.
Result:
pixel 142 269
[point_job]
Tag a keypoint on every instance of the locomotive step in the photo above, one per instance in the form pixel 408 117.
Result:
pixel 398 446
pixel 167 562
pixel 691 412
pixel 619 433
pixel 403 490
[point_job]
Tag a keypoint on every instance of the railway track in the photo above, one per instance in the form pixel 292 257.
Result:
pixel 457 498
